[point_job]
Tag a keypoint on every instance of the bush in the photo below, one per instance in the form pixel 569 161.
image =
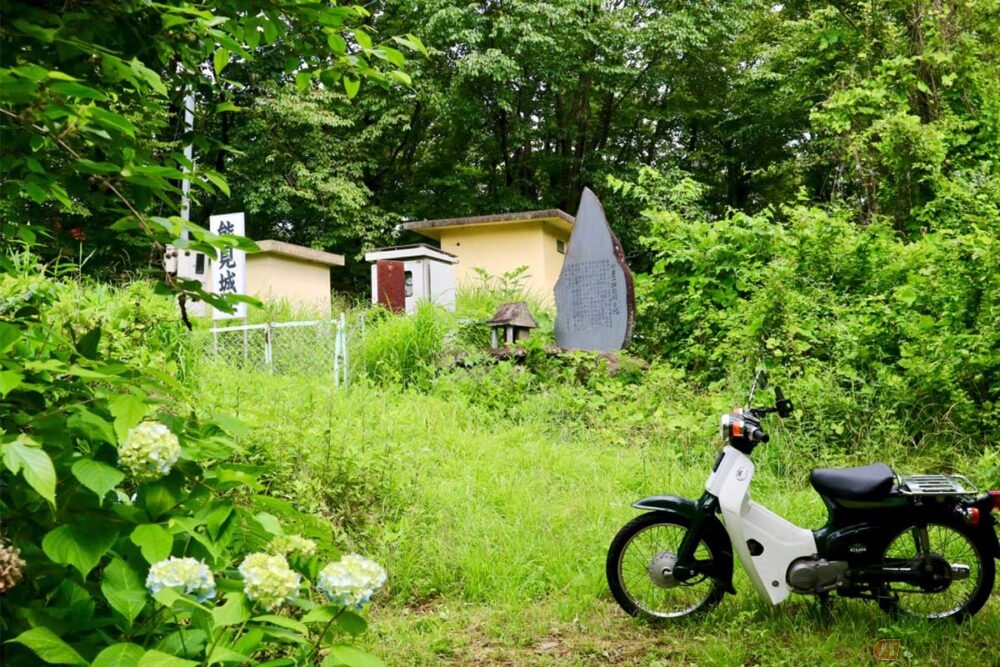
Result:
pixel 127 535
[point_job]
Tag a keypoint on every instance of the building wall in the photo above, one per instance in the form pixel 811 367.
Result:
pixel 553 259
pixel 305 284
pixel 501 248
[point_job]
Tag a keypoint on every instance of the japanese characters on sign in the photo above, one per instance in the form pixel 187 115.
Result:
pixel 229 269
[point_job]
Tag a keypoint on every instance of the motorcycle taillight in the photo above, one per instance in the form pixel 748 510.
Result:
pixel 995 495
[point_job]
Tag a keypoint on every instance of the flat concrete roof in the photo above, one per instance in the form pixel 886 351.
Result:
pixel 412 251
pixel 432 228
pixel 301 253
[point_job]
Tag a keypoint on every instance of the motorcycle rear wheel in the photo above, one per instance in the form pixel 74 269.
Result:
pixel 949 544
pixel 634 566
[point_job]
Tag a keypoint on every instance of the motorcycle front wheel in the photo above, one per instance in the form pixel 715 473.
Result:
pixel 639 563
pixel 959 566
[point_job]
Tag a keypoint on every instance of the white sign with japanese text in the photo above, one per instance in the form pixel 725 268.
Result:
pixel 229 269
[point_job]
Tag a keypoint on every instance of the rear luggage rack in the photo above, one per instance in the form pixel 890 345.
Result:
pixel 937 485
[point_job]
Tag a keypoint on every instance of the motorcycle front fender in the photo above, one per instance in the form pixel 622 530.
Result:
pixel 706 523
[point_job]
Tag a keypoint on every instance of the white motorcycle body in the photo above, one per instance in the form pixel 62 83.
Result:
pixel 776 541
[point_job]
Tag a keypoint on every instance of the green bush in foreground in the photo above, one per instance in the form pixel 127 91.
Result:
pixel 127 537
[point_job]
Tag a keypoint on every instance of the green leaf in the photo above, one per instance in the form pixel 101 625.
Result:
pixel 97 476
pixel 91 167
pixel 401 77
pixel 159 659
pixel 123 589
pixel 26 456
pixel 160 496
pixel 9 381
pixel 227 106
pixel 128 410
pixel 235 611
pixel 351 86
pixel 283 622
pixel 352 623
pixel 220 59
pixel 270 523
pixel 80 545
pixel 337 43
pixel 90 425
pixel 224 654
pixel 75 89
pixel 89 343
pixel 154 541
pixel 113 121
pixel 9 335
pixel 364 41
pixel 344 655
pixel 49 647
pixel 119 655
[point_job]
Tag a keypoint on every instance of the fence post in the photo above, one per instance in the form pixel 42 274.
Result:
pixel 268 352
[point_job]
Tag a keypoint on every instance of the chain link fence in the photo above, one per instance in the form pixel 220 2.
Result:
pixel 316 347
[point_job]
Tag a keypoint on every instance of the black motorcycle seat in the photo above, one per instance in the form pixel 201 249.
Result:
pixel 870 482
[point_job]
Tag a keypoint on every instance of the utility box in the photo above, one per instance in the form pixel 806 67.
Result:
pixel 428 273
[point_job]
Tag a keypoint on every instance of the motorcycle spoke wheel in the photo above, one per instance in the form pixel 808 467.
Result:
pixel 636 558
pixel 941 546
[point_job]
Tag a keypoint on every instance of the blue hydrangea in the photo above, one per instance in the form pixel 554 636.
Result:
pixel 351 581
pixel 186 575
pixel 268 579
pixel 149 451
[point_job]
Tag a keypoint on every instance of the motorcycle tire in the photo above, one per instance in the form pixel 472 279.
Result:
pixel 636 559
pixel 949 543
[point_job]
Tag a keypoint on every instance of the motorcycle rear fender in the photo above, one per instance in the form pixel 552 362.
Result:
pixel 710 526
pixel 984 504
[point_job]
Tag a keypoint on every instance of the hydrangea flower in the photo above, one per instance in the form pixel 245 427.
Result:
pixel 268 579
pixel 149 451
pixel 187 574
pixel 292 544
pixel 351 581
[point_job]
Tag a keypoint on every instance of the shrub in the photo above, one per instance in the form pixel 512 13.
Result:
pixel 124 516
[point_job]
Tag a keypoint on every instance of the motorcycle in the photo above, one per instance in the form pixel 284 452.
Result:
pixel 922 545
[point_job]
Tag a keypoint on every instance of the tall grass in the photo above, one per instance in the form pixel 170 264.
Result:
pixel 492 510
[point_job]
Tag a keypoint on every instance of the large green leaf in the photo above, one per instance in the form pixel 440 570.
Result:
pixel 159 659
pixel 123 589
pixel 9 381
pixel 49 647
pixel 344 655
pixel 234 612
pixel 25 456
pixel 9 334
pixel 97 476
pixel 119 655
pixel 128 410
pixel 80 545
pixel 154 541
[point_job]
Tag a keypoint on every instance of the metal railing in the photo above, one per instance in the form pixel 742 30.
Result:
pixel 287 348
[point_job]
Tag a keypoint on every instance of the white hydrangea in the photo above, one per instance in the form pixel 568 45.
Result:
pixel 186 574
pixel 268 579
pixel 292 544
pixel 351 581
pixel 149 451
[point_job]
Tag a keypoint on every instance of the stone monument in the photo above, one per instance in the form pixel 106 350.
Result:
pixel 595 297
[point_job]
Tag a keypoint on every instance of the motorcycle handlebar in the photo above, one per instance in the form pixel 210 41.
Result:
pixel 758 435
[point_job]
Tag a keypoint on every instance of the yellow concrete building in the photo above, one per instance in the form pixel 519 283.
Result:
pixel 502 243
pixel 293 272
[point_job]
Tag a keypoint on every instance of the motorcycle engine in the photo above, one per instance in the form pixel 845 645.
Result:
pixel 815 575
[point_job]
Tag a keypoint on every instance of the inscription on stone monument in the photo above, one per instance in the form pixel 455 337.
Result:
pixel 595 300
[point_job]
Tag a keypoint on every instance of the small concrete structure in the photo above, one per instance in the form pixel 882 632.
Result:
pixel 516 322
pixel 287 271
pixel 428 273
pixel 502 243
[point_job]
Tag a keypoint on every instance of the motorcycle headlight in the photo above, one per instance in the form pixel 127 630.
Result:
pixel 731 425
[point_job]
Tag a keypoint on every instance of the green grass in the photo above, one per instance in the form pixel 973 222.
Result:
pixel 493 522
